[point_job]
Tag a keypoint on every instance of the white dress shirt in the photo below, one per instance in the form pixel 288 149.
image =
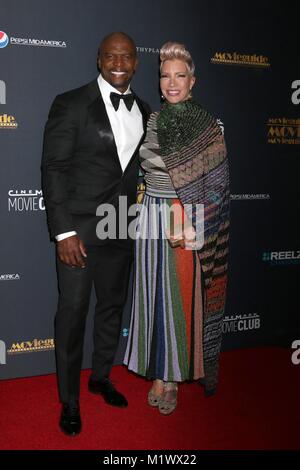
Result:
pixel 127 128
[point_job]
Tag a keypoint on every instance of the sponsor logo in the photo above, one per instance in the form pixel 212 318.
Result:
pixel 280 258
pixel 35 345
pixel 15 41
pixel 25 200
pixel 4 39
pixel 295 98
pixel 8 122
pixel 2 353
pixel 283 131
pixel 238 323
pixel 296 354
pixel 10 277
pixel 249 197
pixel 148 50
pixel 2 92
pixel 234 58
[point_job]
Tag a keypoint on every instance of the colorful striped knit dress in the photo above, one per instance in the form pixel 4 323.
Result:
pixel 169 336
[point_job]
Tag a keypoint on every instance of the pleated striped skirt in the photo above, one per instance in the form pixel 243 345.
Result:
pixel 165 338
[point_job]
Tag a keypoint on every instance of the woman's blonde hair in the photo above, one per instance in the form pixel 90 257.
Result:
pixel 175 50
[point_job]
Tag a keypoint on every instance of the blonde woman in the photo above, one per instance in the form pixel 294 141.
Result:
pixel 179 283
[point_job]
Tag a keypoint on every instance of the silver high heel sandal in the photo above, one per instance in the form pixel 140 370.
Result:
pixel 168 401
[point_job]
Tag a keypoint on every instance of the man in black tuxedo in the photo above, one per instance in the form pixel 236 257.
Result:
pixel 90 157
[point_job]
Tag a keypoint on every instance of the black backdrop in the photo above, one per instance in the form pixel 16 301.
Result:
pixel 247 75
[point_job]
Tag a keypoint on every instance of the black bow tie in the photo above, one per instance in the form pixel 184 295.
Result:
pixel 128 100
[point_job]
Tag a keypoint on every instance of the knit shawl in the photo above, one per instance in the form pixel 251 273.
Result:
pixel 193 149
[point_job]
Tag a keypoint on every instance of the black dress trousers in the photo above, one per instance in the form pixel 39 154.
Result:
pixel 108 267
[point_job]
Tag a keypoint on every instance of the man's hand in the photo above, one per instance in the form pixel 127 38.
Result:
pixel 71 251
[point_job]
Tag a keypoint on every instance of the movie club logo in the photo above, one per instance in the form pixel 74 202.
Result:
pixel 283 131
pixel 36 345
pixel 8 121
pixel 241 323
pixel 234 58
pixel 2 92
pixel 10 277
pixel 281 258
pixel 2 353
pixel 295 98
pixel 296 354
pixel 25 200
pixel 15 41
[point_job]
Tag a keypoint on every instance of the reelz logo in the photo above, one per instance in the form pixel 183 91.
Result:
pixel 296 354
pixel 296 94
pixel 2 92
pixel 282 257
pixel 25 200
pixel 2 353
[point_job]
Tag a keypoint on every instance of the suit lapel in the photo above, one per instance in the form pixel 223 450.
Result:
pixel 98 114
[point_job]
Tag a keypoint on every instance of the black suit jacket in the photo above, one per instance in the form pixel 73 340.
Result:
pixel 80 164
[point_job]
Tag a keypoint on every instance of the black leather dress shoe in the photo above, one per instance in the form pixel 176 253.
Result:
pixel 70 421
pixel 109 393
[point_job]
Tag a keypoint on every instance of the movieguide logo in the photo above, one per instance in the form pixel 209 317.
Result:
pixel 283 131
pixel 35 345
pixel 234 58
pixel 8 121
pixel 5 40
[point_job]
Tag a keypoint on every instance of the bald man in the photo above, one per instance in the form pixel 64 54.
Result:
pixel 90 158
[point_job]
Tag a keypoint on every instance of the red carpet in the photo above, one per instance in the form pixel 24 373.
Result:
pixel 256 407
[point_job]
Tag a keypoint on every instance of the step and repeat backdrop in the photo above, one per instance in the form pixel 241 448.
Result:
pixel 247 68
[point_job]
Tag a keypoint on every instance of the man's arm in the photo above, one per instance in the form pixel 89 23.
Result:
pixel 59 144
